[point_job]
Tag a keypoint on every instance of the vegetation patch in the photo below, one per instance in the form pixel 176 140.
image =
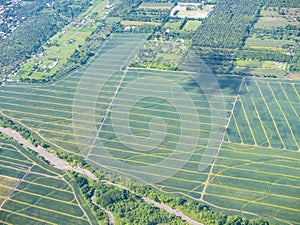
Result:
pixel 39 197
pixel 192 25
pixel 155 5
pixel 138 23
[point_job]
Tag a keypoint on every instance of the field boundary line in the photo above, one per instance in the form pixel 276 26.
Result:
pixel 157 175
pixel 253 180
pixel 46 186
pixel 35 132
pixel 90 129
pixel 14 163
pixel 69 99
pixel 237 127
pixel 14 168
pixel 180 189
pixel 258 115
pixel 219 148
pixel 12 99
pixel 30 217
pixel 246 212
pixel 270 113
pixel 49 210
pixel 148 173
pixel 248 122
pixel 259 192
pixel 15 187
pixel 254 201
pixel 4 222
pixel 78 202
pixel 296 91
pixel 256 171
pixel 16 159
pixel 288 99
pixel 110 132
pixel 46 197
pixel 286 120
pixel 44 175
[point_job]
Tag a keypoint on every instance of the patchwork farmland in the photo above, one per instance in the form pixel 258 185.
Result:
pixel 32 192
pixel 262 124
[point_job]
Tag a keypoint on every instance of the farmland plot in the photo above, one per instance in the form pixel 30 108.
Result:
pixel 32 192
pixel 118 119
pixel 258 180
pixel 269 115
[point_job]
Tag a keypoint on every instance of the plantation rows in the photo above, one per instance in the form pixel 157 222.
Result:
pixel 262 180
pixel 267 114
pixel 90 113
pixel 39 194
pixel 48 112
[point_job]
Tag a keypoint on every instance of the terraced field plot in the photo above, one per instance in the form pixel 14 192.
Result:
pixel 34 193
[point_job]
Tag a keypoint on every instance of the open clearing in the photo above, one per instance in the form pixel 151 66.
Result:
pixel 192 25
pixel 258 159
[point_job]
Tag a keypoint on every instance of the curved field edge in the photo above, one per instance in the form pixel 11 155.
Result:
pixel 42 194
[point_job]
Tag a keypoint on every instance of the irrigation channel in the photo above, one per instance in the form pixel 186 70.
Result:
pixel 61 164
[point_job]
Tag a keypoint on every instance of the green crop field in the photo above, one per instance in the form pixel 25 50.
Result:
pixel 48 112
pixel 267 43
pixel 155 5
pixel 32 192
pixel 88 111
pixel 262 180
pixel 267 114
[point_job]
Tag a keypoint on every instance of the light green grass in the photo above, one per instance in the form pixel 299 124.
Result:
pixel 173 25
pixel 192 25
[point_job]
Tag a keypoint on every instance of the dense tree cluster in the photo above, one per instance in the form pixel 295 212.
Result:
pixel 129 10
pixel 129 208
pixel 228 25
